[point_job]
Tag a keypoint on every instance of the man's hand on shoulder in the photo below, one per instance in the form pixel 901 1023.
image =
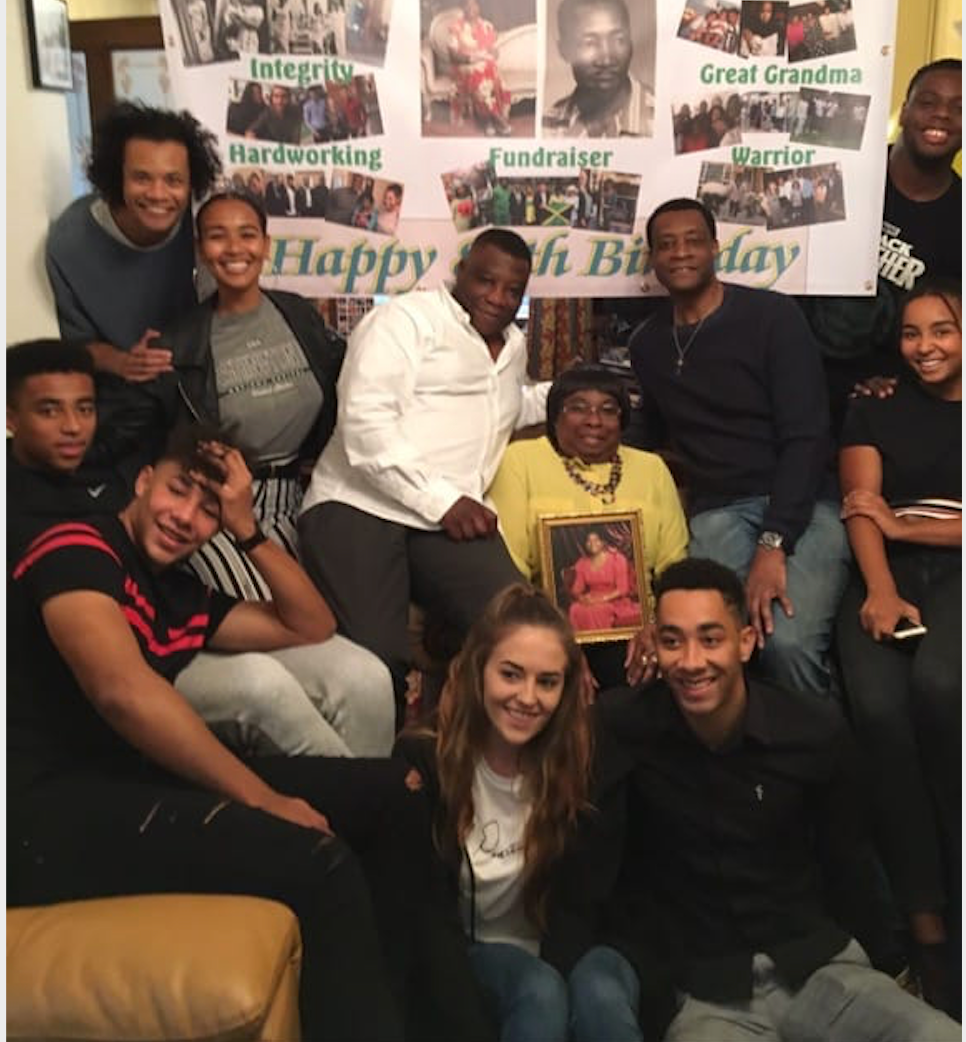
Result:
pixel 138 365
pixel 767 582
pixel 467 519
pixel 875 387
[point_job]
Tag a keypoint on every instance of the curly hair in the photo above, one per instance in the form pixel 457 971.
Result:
pixel 555 765
pixel 128 120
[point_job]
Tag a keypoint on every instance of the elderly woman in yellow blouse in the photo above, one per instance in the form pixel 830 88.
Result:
pixel 581 467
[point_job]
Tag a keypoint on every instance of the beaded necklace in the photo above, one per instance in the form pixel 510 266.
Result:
pixel 606 492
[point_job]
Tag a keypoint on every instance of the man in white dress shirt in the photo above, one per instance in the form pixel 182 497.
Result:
pixel 433 385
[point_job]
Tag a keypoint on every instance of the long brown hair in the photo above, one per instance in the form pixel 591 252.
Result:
pixel 555 764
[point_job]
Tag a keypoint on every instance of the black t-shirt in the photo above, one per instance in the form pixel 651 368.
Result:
pixel 36 499
pixel 917 239
pixel 919 438
pixel 920 238
pixel 858 335
pixel 50 722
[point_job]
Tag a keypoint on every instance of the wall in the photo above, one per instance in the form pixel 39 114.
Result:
pixel 925 30
pixel 84 9
pixel 38 184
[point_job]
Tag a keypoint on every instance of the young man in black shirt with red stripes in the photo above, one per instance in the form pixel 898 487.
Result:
pixel 303 699
pixel 117 786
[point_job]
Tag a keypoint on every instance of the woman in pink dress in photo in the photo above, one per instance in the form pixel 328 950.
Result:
pixel 472 49
pixel 601 588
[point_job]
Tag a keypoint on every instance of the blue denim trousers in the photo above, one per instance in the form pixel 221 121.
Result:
pixel 529 994
pixel 604 997
pixel 796 654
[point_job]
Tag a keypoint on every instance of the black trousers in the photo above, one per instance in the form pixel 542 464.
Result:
pixel 905 701
pixel 365 910
pixel 369 570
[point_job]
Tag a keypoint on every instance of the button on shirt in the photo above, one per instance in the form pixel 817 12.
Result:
pixel 425 412
pixel 731 849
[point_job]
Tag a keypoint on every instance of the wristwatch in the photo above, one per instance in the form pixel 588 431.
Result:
pixel 771 540
pixel 255 539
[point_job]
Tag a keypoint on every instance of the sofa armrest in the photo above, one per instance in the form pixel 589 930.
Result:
pixel 435 84
pixel 171 966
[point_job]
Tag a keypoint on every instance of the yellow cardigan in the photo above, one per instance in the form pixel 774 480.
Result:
pixel 532 481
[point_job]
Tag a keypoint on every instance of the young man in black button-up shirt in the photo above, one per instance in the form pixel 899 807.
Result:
pixel 746 869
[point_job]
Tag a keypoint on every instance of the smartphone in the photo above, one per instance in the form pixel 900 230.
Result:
pixel 906 628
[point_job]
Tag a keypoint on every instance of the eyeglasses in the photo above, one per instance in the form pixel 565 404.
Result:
pixel 606 410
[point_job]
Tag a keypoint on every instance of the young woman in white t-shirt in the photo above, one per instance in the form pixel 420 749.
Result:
pixel 508 767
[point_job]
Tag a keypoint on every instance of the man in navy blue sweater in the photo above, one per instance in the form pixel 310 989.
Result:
pixel 732 378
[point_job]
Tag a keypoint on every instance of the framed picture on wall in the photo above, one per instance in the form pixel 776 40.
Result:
pixel 594 571
pixel 48 30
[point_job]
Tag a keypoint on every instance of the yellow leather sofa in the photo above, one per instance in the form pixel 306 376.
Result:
pixel 209 968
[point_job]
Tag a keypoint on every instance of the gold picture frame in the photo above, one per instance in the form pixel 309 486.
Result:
pixel 604 590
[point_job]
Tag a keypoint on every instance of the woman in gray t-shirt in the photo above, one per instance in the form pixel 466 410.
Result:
pixel 261 362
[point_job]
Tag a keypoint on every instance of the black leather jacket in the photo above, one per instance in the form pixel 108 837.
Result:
pixel 193 394
pixel 134 418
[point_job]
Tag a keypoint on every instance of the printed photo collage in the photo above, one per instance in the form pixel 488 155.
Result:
pixel 773 199
pixel 480 80
pixel 762 29
pixel 340 195
pixel 225 30
pixel 770 28
pixel 591 199
pixel 808 116
pixel 314 114
pixel 477 103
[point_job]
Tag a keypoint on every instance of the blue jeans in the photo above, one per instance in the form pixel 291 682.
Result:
pixel 604 997
pixel 530 995
pixel 796 654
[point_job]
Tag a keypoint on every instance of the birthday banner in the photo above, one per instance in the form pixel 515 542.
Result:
pixel 383 135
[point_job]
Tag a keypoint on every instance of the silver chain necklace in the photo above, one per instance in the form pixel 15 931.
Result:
pixel 682 351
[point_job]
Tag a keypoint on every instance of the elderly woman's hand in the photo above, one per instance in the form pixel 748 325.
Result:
pixel 640 662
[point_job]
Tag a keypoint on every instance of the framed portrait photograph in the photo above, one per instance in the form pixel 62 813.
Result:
pixel 594 570
pixel 48 29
